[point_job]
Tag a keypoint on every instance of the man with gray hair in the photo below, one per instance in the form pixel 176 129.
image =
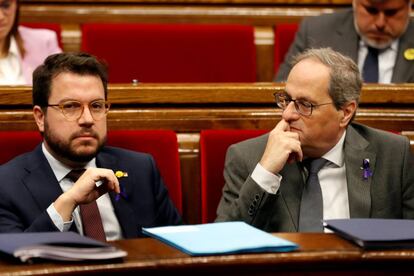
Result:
pixel 316 164
pixel 376 34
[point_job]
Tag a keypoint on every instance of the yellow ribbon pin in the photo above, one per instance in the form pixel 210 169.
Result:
pixel 120 174
pixel 409 54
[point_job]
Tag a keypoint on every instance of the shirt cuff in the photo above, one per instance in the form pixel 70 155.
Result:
pixel 57 219
pixel 266 180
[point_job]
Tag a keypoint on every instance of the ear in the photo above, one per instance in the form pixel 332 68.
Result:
pixel 39 117
pixel 348 112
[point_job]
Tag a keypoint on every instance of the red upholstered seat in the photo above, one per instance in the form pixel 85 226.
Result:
pixel 51 26
pixel 14 143
pixel 213 148
pixel 173 52
pixel 284 36
pixel 161 144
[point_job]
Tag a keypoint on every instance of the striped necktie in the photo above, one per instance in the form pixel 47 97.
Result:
pixel 90 216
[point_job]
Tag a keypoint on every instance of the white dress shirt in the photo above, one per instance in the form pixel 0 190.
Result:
pixel 11 72
pixel 332 178
pixel 386 60
pixel 109 220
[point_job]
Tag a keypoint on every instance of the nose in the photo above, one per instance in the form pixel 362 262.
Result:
pixel 86 116
pixel 380 20
pixel 290 113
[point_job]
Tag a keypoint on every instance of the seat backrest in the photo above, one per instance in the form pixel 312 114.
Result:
pixel 14 143
pixel 163 146
pixel 213 148
pixel 173 52
pixel 51 26
pixel 284 37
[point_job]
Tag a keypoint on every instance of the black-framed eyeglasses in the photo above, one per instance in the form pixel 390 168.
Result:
pixel 73 110
pixel 302 107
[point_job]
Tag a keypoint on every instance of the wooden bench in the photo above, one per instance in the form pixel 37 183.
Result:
pixel 188 109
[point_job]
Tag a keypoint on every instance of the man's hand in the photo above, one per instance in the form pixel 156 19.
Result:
pixel 282 147
pixel 85 190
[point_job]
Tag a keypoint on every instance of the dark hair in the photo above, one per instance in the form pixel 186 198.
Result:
pixel 78 63
pixel 14 31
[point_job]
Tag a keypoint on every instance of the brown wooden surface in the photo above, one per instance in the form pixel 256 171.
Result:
pixel 225 2
pixel 189 108
pixel 319 254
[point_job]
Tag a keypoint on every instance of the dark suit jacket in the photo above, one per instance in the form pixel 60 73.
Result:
pixel 389 193
pixel 28 186
pixel 338 32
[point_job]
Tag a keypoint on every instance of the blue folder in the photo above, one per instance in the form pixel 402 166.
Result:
pixel 219 238
pixel 375 233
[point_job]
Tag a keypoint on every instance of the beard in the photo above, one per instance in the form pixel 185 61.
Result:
pixel 381 44
pixel 64 150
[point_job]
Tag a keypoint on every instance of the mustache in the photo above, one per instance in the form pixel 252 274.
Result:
pixel 90 133
pixel 379 32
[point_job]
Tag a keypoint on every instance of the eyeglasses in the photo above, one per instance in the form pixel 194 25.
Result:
pixel 6 6
pixel 73 110
pixel 302 107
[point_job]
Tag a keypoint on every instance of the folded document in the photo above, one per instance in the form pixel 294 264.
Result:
pixel 62 246
pixel 219 238
pixel 375 233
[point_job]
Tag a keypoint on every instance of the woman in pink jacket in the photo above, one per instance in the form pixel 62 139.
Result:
pixel 22 48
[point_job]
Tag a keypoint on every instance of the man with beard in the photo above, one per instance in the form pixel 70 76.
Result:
pixel 316 164
pixel 376 34
pixel 39 190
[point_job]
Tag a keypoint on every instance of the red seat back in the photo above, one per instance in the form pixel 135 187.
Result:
pixel 213 148
pixel 173 52
pixel 284 37
pixel 51 26
pixel 161 144
pixel 14 143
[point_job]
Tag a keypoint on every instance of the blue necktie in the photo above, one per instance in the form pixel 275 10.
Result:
pixel 311 206
pixel 370 69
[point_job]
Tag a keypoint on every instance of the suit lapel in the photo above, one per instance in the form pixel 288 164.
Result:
pixel 356 150
pixel 404 69
pixel 291 189
pixel 40 180
pixel 124 213
pixel 347 38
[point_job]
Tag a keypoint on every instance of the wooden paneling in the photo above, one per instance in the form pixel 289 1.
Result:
pixel 213 2
pixel 189 108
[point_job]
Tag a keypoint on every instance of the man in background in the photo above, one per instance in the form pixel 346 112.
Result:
pixel 377 34
pixel 68 182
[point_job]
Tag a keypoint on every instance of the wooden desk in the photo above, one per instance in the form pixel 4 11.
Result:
pixel 324 254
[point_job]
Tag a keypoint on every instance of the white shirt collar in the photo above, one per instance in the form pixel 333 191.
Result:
pixel 59 169
pixel 336 154
pixel 393 46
